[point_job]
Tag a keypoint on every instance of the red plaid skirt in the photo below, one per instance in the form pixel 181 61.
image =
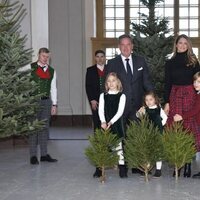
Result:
pixel 182 99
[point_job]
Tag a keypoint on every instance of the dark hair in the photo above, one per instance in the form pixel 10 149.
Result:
pixel 121 37
pixel 43 50
pixel 99 51
pixel 154 95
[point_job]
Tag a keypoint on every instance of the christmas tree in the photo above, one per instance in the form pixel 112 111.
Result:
pixel 179 146
pixel 18 103
pixel 143 146
pixel 151 41
pixel 102 150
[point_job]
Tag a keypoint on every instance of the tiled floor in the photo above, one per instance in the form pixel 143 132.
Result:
pixel 71 178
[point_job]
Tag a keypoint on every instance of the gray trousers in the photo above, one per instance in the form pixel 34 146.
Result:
pixel 41 137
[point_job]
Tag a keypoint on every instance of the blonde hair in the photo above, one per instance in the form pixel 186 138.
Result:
pixel 196 76
pixel 119 84
pixel 154 95
pixel 192 59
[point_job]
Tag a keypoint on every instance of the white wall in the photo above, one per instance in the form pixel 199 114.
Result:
pixel 65 26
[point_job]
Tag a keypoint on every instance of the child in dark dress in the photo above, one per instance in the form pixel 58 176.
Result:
pixel 111 108
pixel 156 115
pixel 193 112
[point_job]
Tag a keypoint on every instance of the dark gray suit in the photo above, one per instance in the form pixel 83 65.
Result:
pixel 133 89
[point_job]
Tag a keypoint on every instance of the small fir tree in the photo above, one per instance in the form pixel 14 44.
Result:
pixel 179 146
pixel 102 150
pixel 152 40
pixel 143 146
pixel 18 103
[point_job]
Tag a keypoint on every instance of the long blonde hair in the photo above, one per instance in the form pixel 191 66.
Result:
pixel 119 84
pixel 192 59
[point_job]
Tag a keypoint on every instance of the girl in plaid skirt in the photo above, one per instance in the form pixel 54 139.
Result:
pixel 179 92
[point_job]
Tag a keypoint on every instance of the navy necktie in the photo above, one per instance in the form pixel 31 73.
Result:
pixel 128 69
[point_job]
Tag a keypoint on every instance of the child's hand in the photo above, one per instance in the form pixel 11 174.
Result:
pixel 108 125
pixel 142 110
pixel 177 117
pixel 104 125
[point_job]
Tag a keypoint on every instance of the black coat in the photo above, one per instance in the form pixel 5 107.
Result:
pixel 92 84
pixel 134 89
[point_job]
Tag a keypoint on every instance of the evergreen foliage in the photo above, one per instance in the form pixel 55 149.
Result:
pixel 179 146
pixel 102 150
pixel 152 41
pixel 143 145
pixel 18 105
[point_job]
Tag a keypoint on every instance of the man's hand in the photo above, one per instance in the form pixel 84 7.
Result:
pixel 54 110
pixel 94 104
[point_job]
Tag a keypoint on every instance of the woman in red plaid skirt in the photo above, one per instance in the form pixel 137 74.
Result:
pixel 179 91
pixel 194 112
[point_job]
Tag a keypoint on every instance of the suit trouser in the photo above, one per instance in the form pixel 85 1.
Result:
pixel 41 137
pixel 96 120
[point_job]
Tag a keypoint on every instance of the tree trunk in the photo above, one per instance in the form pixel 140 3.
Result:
pixel 103 175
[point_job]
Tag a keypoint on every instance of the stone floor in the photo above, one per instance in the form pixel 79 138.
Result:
pixel 71 178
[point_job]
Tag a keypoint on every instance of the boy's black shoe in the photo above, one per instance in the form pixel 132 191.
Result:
pixel 97 173
pixel 47 158
pixel 196 175
pixel 34 160
pixel 123 171
pixel 157 173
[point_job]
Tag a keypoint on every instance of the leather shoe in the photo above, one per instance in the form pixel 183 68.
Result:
pixel 157 173
pixel 123 171
pixel 187 170
pixel 34 160
pixel 196 175
pixel 47 158
pixel 97 173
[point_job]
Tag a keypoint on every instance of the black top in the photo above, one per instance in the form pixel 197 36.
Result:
pixel 154 117
pixel 110 109
pixel 178 73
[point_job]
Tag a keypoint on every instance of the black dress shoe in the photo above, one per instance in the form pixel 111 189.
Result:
pixel 34 160
pixel 123 171
pixel 47 158
pixel 157 173
pixel 179 172
pixel 196 175
pixel 97 173
pixel 187 170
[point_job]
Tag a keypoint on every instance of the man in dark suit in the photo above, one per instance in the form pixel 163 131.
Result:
pixel 133 72
pixel 95 77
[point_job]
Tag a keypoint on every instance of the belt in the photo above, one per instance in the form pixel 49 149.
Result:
pixel 44 97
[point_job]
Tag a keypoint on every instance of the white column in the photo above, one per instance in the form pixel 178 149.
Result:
pixel 39 25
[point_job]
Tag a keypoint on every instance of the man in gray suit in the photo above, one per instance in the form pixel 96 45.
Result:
pixel 133 72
